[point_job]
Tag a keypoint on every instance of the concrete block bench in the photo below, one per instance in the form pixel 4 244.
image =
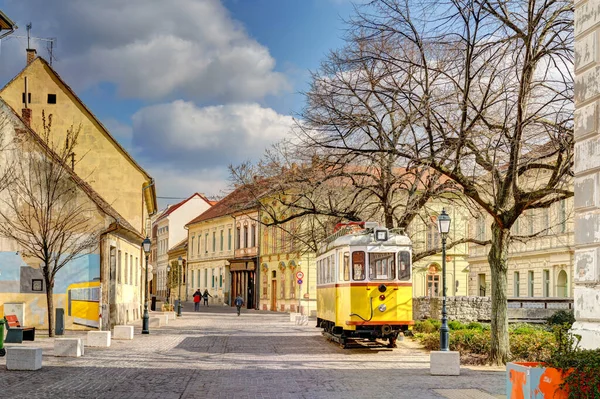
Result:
pixel 164 319
pixel 293 317
pixel 98 339
pixel 154 322
pixel 23 358
pixel 123 332
pixel 69 347
pixel 301 320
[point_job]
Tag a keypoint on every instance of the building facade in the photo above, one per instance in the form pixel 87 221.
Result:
pixel 427 272
pixel 106 170
pixel 540 258
pixel 170 230
pixel 587 165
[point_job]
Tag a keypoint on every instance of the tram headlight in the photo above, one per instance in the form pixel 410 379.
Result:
pixel 382 307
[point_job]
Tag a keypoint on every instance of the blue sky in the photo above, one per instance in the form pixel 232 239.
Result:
pixel 187 86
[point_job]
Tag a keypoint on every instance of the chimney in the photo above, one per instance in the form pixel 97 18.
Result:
pixel 31 55
pixel 26 112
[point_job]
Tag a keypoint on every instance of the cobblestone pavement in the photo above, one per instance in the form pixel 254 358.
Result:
pixel 216 354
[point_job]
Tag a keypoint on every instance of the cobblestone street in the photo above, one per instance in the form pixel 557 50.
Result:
pixel 215 354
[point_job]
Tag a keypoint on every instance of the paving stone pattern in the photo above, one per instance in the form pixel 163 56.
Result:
pixel 216 354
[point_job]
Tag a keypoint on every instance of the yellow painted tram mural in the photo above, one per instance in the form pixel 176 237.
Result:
pixel 83 303
pixel 364 284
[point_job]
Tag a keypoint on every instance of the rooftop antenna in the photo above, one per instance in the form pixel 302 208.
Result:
pixel 28 34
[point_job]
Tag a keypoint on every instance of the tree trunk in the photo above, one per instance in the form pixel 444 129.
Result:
pixel 50 302
pixel 498 260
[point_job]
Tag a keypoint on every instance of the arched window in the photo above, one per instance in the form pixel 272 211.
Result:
pixel 282 279
pixel 433 281
pixel 562 285
pixel 238 241
pixel 245 236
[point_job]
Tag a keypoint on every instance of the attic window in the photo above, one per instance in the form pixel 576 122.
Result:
pixel 51 98
pixel 28 98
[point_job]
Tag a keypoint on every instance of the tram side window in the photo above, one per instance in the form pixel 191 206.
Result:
pixel 332 267
pixel 358 265
pixel 404 265
pixel 346 266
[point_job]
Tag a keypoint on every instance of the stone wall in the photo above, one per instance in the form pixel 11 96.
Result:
pixel 463 308
pixel 587 176
pixel 479 308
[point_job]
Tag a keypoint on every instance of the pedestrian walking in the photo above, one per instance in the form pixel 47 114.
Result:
pixel 239 301
pixel 197 296
pixel 205 296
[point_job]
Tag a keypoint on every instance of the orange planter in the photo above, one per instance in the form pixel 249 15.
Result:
pixel 532 380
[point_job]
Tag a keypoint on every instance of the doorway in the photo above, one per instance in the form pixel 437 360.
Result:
pixel 562 288
pixel 274 295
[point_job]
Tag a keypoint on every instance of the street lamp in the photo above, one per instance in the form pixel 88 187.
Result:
pixel 146 245
pixel 180 262
pixel 169 282
pixel 444 228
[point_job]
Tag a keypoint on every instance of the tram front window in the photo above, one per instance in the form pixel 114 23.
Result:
pixel 404 266
pixel 382 266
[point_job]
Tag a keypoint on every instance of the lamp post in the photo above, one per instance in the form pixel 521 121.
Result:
pixel 146 245
pixel 169 281
pixel 180 263
pixel 444 227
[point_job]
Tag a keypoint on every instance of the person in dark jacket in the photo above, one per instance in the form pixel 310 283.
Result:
pixel 197 296
pixel 205 296
pixel 238 302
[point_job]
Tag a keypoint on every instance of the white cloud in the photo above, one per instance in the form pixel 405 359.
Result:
pixel 153 50
pixel 187 148
pixel 213 135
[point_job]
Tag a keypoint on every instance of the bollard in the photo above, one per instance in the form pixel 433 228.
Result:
pixel 2 350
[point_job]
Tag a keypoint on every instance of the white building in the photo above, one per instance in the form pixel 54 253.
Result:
pixel 170 231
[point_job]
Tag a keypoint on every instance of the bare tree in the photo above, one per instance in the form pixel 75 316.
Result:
pixel 44 211
pixel 491 83
pixel 341 163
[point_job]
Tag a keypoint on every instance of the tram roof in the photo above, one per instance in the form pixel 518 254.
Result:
pixel 364 238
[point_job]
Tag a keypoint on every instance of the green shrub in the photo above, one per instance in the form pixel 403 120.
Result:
pixel 436 323
pixel 533 346
pixel 580 367
pixel 425 327
pixel 527 343
pixel 475 326
pixel 455 325
pixel 561 317
pixel 525 328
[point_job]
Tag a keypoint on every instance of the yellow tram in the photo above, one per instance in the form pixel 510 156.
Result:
pixel 364 284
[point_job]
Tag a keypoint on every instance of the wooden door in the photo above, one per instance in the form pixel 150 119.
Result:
pixel 274 295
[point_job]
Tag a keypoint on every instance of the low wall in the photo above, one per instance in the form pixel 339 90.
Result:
pixel 479 308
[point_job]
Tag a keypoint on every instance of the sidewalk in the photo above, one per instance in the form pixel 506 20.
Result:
pixel 216 354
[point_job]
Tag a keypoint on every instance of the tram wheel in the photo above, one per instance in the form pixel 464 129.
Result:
pixel 2 352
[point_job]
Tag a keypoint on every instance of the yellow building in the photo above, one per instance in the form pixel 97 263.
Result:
pixel 177 272
pixel 99 159
pixel 96 289
pixel 281 259
pixel 105 167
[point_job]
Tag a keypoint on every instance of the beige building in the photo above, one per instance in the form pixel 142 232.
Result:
pixel 210 247
pixel 538 266
pixel 427 272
